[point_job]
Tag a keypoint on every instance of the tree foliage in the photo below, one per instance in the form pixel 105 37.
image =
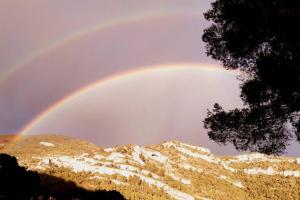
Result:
pixel 261 38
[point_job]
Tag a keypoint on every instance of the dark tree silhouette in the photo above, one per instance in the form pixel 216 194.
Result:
pixel 15 181
pixel 261 38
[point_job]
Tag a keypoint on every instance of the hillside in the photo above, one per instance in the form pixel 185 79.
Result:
pixel 170 170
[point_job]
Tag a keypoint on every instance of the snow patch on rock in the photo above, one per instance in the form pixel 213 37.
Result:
pixel 47 144
pixel 99 157
pixel 179 179
pixel 109 149
pixel 235 183
pixel 258 157
pixel 147 154
pixel 251 157
pixel 77 164
pixel 117 182
pixel 293 173
pixel 116 157
pixel 226 166
pixel 209 158
pixel 136 155
pixel 154 155
pixel 190 167
pixel 205 150
pixel 254 171
pixel 271 171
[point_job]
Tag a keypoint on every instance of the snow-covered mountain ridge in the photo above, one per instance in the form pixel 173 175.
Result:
pixel 169 170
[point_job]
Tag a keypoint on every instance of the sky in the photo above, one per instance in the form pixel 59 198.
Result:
pixel 111 72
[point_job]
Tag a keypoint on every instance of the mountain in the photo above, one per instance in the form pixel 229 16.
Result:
pixel 169 170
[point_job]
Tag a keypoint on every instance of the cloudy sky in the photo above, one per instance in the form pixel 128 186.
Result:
pixel 112 72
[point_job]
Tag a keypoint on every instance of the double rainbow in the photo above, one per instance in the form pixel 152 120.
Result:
pixel 123 76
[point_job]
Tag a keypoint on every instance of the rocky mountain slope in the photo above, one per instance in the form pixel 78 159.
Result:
pixel 170 170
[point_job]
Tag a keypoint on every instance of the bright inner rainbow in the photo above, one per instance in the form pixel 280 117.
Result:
pixel 126 75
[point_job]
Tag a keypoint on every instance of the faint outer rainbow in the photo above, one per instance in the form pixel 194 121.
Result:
pixel 77 35
pixel 125 75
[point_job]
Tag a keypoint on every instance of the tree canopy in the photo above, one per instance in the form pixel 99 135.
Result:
pixel 261 38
